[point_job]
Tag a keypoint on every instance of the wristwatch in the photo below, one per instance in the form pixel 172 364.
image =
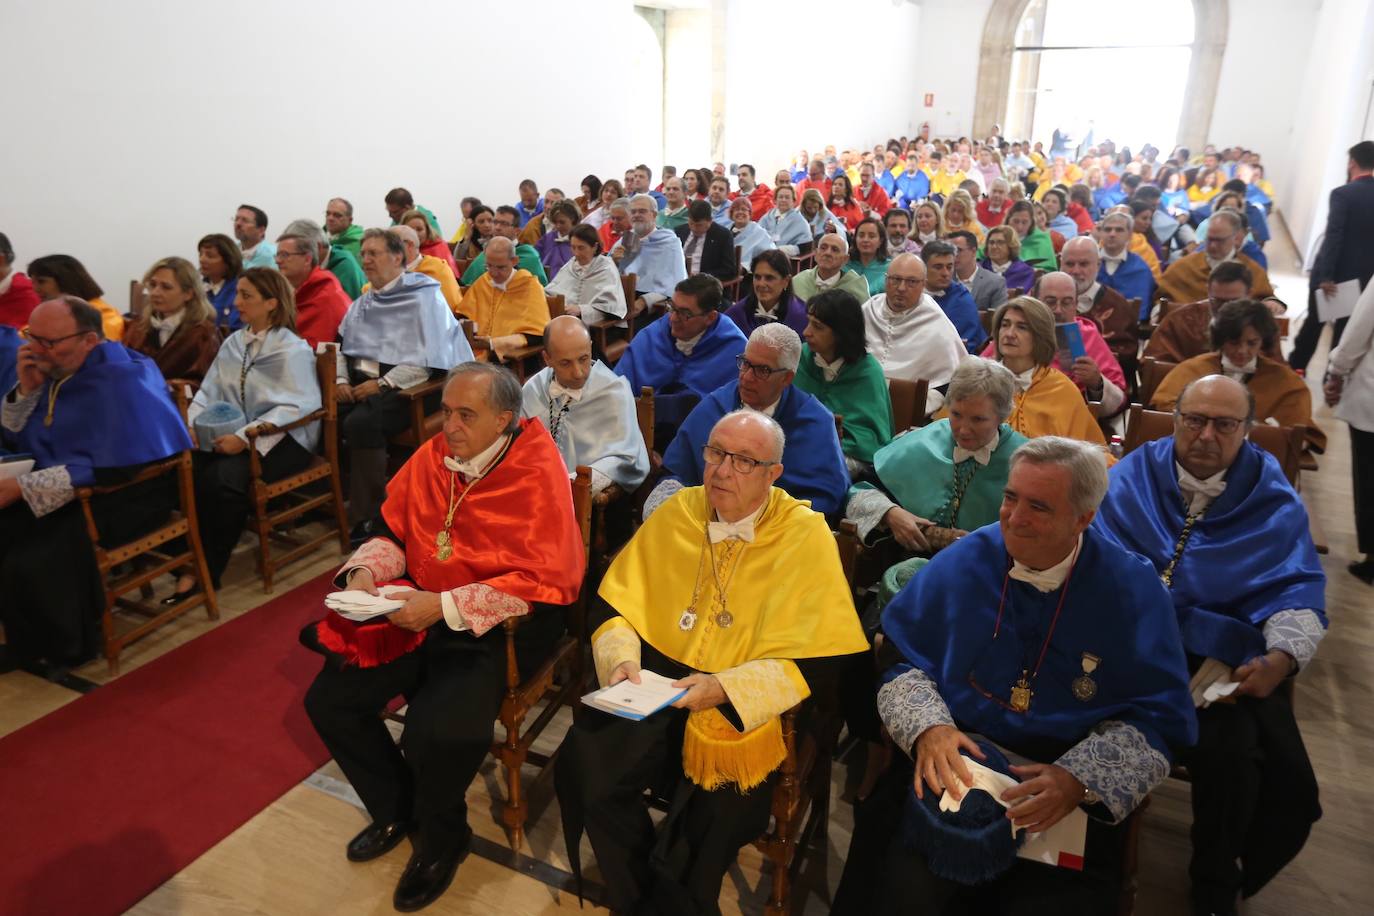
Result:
pixel 1090 797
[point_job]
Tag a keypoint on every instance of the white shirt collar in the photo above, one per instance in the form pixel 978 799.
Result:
pixel 982 455
pixel 395 281
pixel 476 467
pixel 1023 379
pixel 211 289
pixel 823 284
pixel 1046 580
pixel 1199 494
pixel 1087 298
pixel 556 390
pixel 685 346
pixel 767 411
pixel 1231 370
pixel 165 326
pixel 742 530
pixel 415 264
pixel 830 370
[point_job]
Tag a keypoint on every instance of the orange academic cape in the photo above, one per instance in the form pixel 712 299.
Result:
pixel 515 532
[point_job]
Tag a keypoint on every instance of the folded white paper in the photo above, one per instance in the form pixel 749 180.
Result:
pixel 357 605
pixel 1340 304
pixel 9 469
pixel 636 701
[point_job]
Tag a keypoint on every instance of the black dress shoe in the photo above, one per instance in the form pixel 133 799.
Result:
pixel 426 878
pixel 376 840
pixel 1363 570
pixel 178 597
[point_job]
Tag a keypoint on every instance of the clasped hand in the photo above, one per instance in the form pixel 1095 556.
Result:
pixel 703 690
pixel 421 609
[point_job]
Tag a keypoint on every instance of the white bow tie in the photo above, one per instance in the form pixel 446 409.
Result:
pixel 1228 367
pixel 742 530
pixel 556 390
pixel 1043 580
pixel 982 455
pixel 765 314
pixel 1199 494
pixel 1023 380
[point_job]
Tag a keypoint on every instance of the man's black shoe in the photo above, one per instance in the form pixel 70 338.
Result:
pixel 425 879
pixel 376 840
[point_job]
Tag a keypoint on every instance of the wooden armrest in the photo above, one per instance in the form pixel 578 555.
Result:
pixel 608 496
pixel 151 472
pixel 422 390
pixel 266 429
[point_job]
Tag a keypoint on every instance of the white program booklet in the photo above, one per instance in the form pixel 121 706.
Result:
pixel 636 701
pixel 15 467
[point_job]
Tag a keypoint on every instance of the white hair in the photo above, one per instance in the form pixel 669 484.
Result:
pixel 623 203
pixel 780 337
pixel 1085 462
pixel 779 437
pixel 1117 214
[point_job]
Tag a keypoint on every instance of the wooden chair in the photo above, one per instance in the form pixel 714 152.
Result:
pixel 138 295
pixel 1014 292
pixel 1282 323
pixel 462 265
pixel 733 288
pixel 423 425
pixel 986 317
pixel 289 489
pixel 150 547
pixel 612 349
pixel 601 548
pixel 1284 442
pixel 1152 373
pixel 569 657
pixel 805 258
pixel 801 796
pixel 908 403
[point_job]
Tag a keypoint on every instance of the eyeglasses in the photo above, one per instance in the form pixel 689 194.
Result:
pixel 904 281
pixel 283 253
pixel 761 372
pixel 47 343
pixel 685 314
pixel 741 464
pixel 1198 422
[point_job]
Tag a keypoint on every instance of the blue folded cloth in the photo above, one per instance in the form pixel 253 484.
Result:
pixel 219 419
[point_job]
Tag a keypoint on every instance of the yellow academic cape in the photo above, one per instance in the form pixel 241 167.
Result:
pixel 789 599
pixel 1147 254
pixel 110 320
pixel 520 309
pixel 1053 406
pixel 1185 280
pixel 1279 392
pixel 943 183
pixel 434 267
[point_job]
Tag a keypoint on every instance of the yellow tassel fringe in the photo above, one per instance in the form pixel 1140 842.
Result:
pixel 715 753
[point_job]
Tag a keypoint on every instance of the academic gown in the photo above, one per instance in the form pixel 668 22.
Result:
pixel 350 240
pixel 680 381
pixel 1186 279
pixel 9 356
pixel 874 273
pixel 321 304
pixel 1053 406
pixel 744 313
pixel 1279 392
pixel 553 252
pixel 343 264
pixel 596 289
pixel 18 300
pixel 187 354
pixel 407 325
pixel 1132 280
pixel 958 305
pixel 521 308
pixel 790 228
pixel 751 240
pixel 858 394
pixel 526 258
pixel 658 265
pixel 1037 250
pixel 813 463
pixel 226 312
pixel 600 429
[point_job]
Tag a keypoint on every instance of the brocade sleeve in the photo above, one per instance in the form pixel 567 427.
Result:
pixel 908 705
pixel 1118 765
pixel 763 689
pixel 1296 632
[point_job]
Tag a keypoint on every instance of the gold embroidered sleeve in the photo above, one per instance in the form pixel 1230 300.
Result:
pixel 614 643
pixel 763 688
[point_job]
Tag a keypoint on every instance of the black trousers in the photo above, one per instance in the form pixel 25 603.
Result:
pixel 223 500
pixel 882 875
pixel 1362 476
pixel 1305 344
pixel 371 422
pixel 605 766
pixel 1254 797
pixel 52 594
pixel 454 684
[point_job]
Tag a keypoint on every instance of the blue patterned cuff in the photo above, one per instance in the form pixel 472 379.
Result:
pixel 1297 632
pixel 908 705
pixel 660 495
pixel 1118 765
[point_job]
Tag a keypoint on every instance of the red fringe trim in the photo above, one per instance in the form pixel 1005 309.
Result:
pixel 366 645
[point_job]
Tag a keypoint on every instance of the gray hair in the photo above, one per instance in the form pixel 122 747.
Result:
pixel 309 230
pixel 623 203
pixel 503 391
pixel 779 437
pixel 1086 464
pixel 406 234
pixel 348 207
pixel 1232 217
pixel 983 378
pixel 1117 214
pixel 393 243
pixel 780 337
pixel 1003 183
pixel 308 246
pixel 496 240
pixel 638 197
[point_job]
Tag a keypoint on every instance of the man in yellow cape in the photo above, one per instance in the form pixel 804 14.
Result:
pixel 735 589
pixel 507 303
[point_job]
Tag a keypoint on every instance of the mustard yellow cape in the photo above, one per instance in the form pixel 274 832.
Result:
pixel 789 599
pixel 1053 406
pixel 1185 280
pixel 520 309
pixel 434 267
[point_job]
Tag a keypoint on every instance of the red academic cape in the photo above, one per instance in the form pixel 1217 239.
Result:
pixel 320 305
pixel 760 202
pixel 18 301
pixel 439 249
pixel 515 532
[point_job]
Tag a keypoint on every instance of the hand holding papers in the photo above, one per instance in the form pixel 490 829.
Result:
pixel 1339 304
pixel 1213 681
pixel 357 605
pixel 636 701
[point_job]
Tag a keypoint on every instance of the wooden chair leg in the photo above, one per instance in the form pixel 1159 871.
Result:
pixel 107 629
pixel 340 516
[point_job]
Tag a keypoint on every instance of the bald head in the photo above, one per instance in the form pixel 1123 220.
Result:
pixel 568 351
pixel 1201 445
pixel 1059 291
pixel 410 238
pixel 906 282
pixel 1079 259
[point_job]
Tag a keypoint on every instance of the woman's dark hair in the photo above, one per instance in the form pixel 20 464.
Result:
pixel 1022 206
pixel 476 212
pixel 848 188
pixel 593 189
pixel 782 266
pixel 1234 317
pixel 1061 197
pixel 228 251
pixel 69 275
pixel 563 207
pixel 588 235
pixel 879 255
pixel 839 310
pixel 704 178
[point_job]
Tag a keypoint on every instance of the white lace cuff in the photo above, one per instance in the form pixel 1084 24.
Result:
pixel 660 495
pixel 908 705
pixel 1297 632
pixel 15 413
pixel 1118 765
pixel 866 510
pixel 47 490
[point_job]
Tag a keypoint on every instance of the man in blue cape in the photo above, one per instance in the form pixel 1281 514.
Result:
pixel 1221 525
pixel 953 297
pixel 684 355
pixel 1122 269
pixel 813 462
pixel 90 412
pixel 652 254
pixel 396 335
pixel 1044 637
pixel 588 409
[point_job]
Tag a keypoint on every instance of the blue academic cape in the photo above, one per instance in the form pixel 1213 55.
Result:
pixel 680 381
pixel 1250 554
pixel 885 180
pixel 942 623
pixel 226 313
pixel 527 215
pixel 1106 198
pixel 912 189
pixel 721 216
pixel 407 325
pixel 813 464
pixel 658 265
pixel 280 385
pixel 791 229
pixel 962 312
pixel 9 356
pixel 1132 280
pixel 115 412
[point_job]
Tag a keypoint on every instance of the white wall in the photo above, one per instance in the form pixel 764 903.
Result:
pixel 789 86
pixel 947 52
pixel 134 128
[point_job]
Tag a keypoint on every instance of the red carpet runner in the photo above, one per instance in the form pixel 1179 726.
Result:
pixel 108 797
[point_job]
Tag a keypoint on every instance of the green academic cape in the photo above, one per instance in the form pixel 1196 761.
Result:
pixel 859 395
pixel 351 240
pixel 343 264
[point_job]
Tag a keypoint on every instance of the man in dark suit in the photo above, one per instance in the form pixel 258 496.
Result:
pixel 1347 251
pixel 708 247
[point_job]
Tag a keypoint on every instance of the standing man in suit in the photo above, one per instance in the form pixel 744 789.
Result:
pixel 1347 251
pixel 708 247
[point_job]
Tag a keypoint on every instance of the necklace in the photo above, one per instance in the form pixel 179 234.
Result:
pixel 961 482
pixel 443 541
pixel 52 398
pixel 723 618
pixel 1021 692
pixel 243 372
pixel 556 420
pixel 1167 577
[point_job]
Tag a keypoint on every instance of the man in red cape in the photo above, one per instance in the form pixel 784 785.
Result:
pixel 481 520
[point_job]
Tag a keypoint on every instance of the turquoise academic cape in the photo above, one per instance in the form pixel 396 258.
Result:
pixel 859 394
pixel 680 381
pixel 813 465
pixel 600 429
pixel 918 472
pixel 1249 556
